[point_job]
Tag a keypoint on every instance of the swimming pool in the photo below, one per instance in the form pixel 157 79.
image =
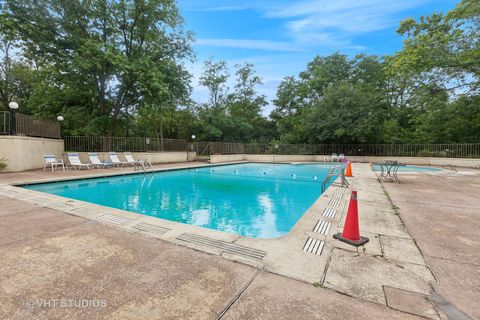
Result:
pixel 409 169
pixel 251 199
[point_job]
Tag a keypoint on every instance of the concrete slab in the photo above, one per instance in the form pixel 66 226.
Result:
pixel 137 277
pixel 441 212
pixel 275 297
pixel 363 276
pixel 410 302
pixel 31 223
pixel 380 219
pixel 459 284
pixel 372 247
pixel 13 206
pixel 401 249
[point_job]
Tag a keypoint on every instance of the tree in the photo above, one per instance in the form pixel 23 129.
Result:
pixel 443 48
pixel 336 100
pixel 232 116
pixel 214 78
pixel 116 51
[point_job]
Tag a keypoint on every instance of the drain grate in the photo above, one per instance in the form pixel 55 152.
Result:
pixel 150 228
pixel 83 211
pixel 314 246
pixel 40 201
pixel 322 227
pixel 334 202
pixel 338 195
pixel 114 219
pixel 60 205
pixel 329 213
pixel 223 245
pixel 341 190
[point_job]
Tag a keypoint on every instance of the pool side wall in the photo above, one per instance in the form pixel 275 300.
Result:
pixel 459 162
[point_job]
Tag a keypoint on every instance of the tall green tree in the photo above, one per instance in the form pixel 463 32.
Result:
pixel 113 53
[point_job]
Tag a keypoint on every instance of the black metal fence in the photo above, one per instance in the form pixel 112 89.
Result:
pixel 29 126
pixel 4 122
pixel 133 144
pixel 141 144
pixel 466 150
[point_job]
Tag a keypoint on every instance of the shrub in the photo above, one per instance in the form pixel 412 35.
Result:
pixel 3 164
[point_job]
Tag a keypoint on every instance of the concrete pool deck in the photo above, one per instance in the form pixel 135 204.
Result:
pixel 391 271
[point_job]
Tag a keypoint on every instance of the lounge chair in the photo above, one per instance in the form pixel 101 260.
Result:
pixel 75 162
pixel 114 158
pixel 96 162
pixel 334 157
pixel 341 157
pixel 130 160
pixel 50 160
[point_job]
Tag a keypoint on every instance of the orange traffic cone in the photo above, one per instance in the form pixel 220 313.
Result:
pixel 351 231
pixel 348 172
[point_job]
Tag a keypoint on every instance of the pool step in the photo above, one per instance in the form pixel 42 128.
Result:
pixel 150 228
pixel 223 245
pixel 314 246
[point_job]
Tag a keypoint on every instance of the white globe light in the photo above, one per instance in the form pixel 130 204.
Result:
pixel 193 137
pixel 60 118
pixel 13 105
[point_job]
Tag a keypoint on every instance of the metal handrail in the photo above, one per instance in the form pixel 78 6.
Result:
pixel 335 171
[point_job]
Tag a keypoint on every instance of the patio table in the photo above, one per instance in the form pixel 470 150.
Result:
pixel 389 170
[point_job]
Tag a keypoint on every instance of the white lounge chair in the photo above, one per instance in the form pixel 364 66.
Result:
pixel 96 162
pixel 50 160
pixel 75 162
pixel 334 157
pixel 130 159
pixel 341 157
pixel 114 158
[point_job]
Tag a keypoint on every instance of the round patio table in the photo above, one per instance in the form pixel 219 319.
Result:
pixel 389 170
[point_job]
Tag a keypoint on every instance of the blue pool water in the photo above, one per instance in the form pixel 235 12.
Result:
pixel 410 169
pixel 254 200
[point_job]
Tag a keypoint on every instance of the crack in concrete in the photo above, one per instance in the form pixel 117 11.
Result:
pixel 449 309
pixel 237 296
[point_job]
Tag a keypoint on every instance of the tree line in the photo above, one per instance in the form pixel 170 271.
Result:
pixel 118 68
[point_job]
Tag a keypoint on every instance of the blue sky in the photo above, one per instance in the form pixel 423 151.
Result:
pixel 280 37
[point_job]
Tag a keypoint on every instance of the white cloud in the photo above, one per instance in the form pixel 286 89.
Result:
pixel 335 23
pixel 267 45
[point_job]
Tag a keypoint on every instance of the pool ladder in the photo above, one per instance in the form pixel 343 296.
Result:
pixel 143 165
pixel 336 171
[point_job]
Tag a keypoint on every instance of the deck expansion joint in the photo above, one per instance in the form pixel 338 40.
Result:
pixel 314 246
pixel 151 228
pixel 114 219
pixel 322 227
pixel 223 245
